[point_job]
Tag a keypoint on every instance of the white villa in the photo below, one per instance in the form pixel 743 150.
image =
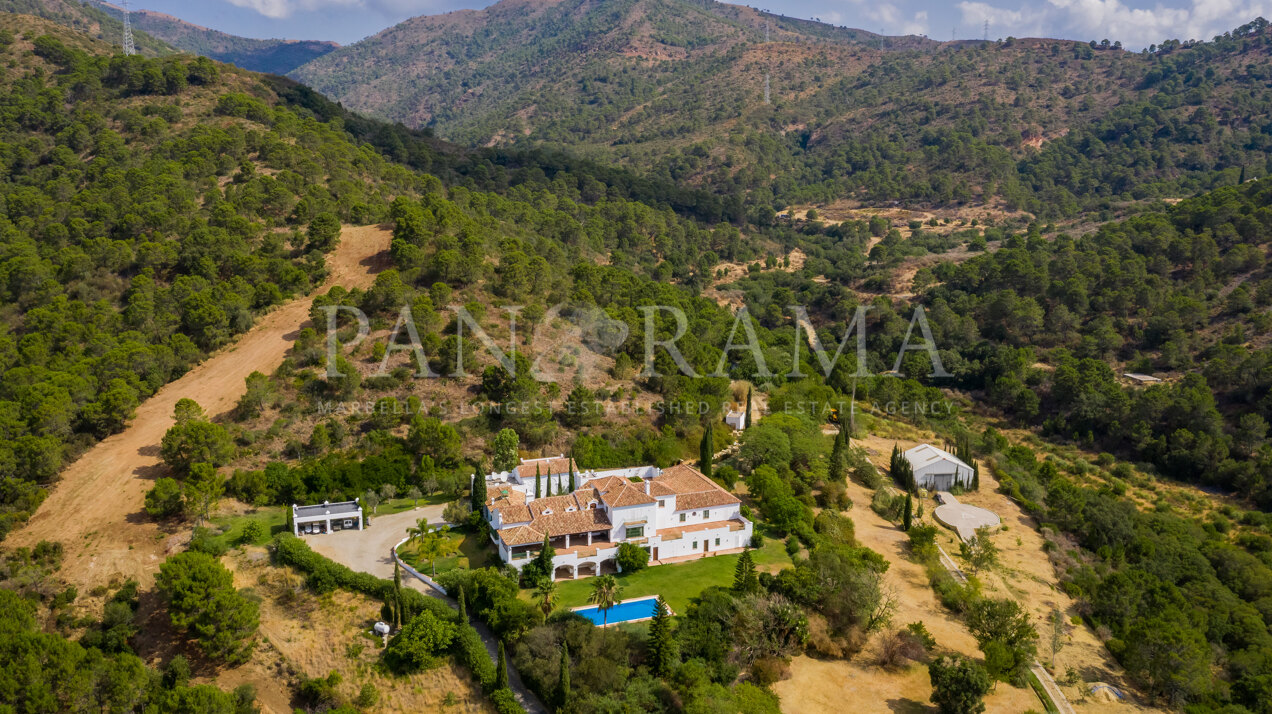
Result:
pixel 937 469
pixel 675 513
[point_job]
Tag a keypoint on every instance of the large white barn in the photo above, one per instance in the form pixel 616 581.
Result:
pixel 937 469
pixel 675 513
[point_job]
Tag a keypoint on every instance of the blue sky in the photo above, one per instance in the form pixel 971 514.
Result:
pixel 1137 23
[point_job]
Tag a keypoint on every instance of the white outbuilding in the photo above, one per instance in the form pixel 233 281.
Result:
pixel 937 469
pixel 327 517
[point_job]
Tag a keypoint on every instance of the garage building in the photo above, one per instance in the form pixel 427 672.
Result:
pixel 936 469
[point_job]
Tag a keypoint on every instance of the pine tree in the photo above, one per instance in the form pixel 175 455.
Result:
pixel 463 609
pixel 660 642
pixel 745 580
pixel 705 450
pixel 538 482
pixel 563 683
pixel 909 511
pixel 747 423
pixel 501 671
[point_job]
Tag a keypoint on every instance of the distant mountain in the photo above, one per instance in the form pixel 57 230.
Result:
pixel 272 56
pixel 676 89
pixel 522 65
pixel 89 19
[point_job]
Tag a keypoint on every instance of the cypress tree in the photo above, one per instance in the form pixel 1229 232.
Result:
pixel 501 671
pixel 543 561
pixel 538 482
pixel 563 683
pixel 478 495
pixel 909 509
pixel 975 477
pixel 573 485
pixel 397 594
pixel 835 471
pixel 747 423
pixel 745 580
pixel 704 451
pixel 463 609
pixel 660 639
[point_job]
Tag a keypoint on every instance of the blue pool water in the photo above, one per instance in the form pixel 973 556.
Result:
pixel 626 611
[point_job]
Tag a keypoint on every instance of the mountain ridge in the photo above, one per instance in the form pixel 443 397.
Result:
pixel 678 90
pixel 272 56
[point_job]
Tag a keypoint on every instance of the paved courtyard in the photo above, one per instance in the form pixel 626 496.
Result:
pixel 368 550
pixel 964 519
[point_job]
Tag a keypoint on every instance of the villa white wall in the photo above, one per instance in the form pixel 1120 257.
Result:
pixel 929 473
pixel 620 517
pixel 700 515
pixel 692 543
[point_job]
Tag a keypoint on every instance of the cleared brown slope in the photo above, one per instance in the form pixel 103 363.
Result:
pixel 95 509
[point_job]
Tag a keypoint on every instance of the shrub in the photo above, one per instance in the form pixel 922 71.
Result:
pixel 900 648
pixel 419 643
pixel 768 670
pixel 253 531
pixel 959 685
pixel 632 558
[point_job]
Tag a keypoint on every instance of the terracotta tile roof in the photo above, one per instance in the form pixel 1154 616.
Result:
pixel 657 488
pixel 692 488
pixel 551 515
pixel 520 535
pixel 514 512
pixel 558 504
pixel 504 493
pixel 546 467
pixel 618 492
pixel 559 524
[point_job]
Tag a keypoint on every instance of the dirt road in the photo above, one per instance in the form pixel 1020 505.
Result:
pixel 95 509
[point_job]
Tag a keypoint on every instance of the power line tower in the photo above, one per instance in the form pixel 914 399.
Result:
pixel 987 30
pixel 129 49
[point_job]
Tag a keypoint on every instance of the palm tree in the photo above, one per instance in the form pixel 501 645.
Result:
pixel 431 544
pixel 546 591
pixel 604 595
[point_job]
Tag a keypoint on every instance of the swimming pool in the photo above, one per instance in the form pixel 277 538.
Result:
pixel 626 611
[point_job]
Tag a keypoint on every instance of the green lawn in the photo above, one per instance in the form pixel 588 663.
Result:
pixel 398 505
pixel 677 583
pixel 273 518
pixel 471 553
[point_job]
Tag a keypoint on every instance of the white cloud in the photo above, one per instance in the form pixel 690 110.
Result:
pixel 280 9
pixel 1113 19
pixel 888 18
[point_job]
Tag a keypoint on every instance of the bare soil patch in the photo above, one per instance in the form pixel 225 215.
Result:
pixel 95 509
